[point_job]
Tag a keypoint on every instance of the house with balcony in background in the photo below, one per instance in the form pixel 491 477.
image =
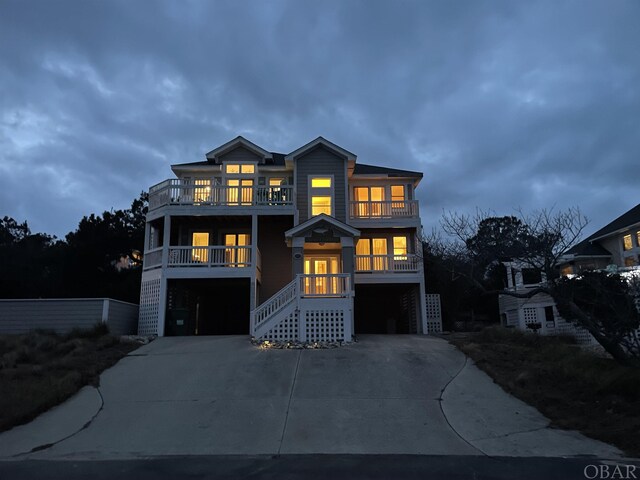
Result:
pixel 615 248
pixel 309 245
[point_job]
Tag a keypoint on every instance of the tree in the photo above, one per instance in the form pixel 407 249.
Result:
pixel 598 302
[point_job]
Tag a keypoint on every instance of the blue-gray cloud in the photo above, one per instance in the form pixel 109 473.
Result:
pixel 501 104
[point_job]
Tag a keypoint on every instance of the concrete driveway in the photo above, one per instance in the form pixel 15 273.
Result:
pixel 221 395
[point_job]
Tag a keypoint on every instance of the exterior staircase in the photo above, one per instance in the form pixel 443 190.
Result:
pixel 311 308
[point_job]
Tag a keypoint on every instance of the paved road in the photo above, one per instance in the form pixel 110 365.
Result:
pixel 321 467
pixel 222 396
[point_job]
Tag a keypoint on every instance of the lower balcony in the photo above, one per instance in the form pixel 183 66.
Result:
pixel 203 258
pixel 391 264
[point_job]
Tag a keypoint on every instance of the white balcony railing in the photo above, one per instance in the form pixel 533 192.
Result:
pixel 387 263
pixel 205 192
pixel 385 209
pixel 330 285
pixel 218 256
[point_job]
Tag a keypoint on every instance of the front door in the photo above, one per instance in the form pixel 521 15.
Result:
pixel 320 268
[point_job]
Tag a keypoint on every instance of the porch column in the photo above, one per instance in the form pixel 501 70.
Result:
pixel 166 240
pixel 253 300
pixel 297 252
pixel 348 256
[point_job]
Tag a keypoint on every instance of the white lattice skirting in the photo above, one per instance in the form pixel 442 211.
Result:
pixel 149 303
pixel 434 313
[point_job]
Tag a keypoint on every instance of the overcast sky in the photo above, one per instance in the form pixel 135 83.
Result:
pixel 508 104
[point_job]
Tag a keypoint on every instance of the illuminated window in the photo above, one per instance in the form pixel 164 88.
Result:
pixel 200 250
pixel 626 242
pixel 276 182
pixel 202 192
pixel 638 238
pixel 321 194
pixel 630 261
pixel 397 193
pixel 399 248
pixel 369 201
pixel 321 182
pixel 371 254
pixel 238 253
pixel 236 168
pixel 240 191
pixel 320 205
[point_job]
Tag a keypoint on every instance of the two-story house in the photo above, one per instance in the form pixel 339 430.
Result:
pixel 309 246
pixel 615 247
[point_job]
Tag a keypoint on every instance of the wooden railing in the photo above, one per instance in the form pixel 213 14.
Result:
pixel 205 192
pixel 386 209
pixel 275 304
pixel 387 263
pixel 152 258
pixel 330 285
pixel 218 256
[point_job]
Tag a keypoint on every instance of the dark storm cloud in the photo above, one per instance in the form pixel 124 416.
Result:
pixel 501 104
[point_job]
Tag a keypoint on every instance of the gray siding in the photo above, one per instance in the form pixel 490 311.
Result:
pixel 240 154
pixel 276 256
pixel 122 317
pixel 320 161
pixel 63 315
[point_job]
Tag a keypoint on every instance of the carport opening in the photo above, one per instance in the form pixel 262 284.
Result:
pixel 387 308
pixel 208 307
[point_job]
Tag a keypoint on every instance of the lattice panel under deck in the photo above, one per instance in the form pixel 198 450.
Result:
pixel 325 325
pixel 149 307
pixel 286 330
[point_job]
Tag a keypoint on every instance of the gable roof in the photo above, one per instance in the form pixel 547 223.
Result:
pixel 320 141
pixel 587 248
pixel 624 221
pixel 239 141
pixel 317 220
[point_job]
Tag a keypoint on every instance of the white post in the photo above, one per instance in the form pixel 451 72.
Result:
pixel 166 239
pixel 423 308
pixel 162 306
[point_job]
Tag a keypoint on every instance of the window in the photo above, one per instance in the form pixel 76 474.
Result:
pixel 237 255
pixel 277 182
pixel 321 182
pixel 548 314
pixel 630 261
pixel 202 192
pixel 369 201
pixel 626 242
pixel 638 238
pixel 240 191
pixel 320 205
pixel 399 248
pixel 371 254
pixel 321 196
pixel 531 276
pixel 397 193
pixel 200 250
pixel 236 168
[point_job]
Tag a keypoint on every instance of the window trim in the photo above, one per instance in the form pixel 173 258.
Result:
pixel 321 192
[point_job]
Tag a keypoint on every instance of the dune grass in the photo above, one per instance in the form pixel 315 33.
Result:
pixel 40 369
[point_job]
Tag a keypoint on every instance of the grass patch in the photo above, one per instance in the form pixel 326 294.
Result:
pixel 575 389
pixel 41 369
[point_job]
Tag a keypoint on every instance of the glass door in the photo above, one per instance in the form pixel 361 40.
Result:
pixel 320 271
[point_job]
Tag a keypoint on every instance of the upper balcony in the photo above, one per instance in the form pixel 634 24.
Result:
pixel 204 196
pixel 384 213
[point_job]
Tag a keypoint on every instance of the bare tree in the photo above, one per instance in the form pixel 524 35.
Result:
pixel 601 304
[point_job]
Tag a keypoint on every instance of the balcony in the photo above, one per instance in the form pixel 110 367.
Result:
pixel 204 193
pixel 387 264
pixel 383 210
pixel 214 257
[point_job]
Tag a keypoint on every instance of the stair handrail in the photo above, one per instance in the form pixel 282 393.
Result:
pixel 273 305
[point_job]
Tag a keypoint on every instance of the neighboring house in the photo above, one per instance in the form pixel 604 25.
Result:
pixel 615 247
pixel 309 245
